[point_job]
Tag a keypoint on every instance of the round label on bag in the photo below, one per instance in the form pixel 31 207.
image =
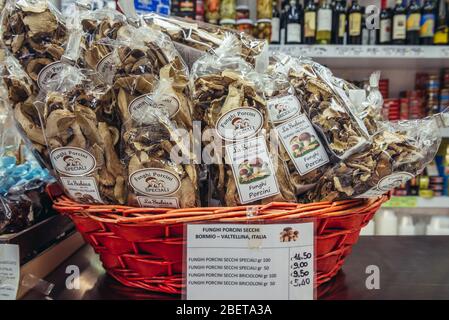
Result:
pixel 73 161
pixel 107 68
pixel 239 124
pixel 393 181
pixel 46 78
pixel 140 107
pixel 283 108
pixel 154 182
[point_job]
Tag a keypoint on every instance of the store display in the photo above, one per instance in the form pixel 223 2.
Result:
pixel 413 22
pixel 355 23
pixel 339 22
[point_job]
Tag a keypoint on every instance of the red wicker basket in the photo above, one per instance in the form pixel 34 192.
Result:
pixel 143 248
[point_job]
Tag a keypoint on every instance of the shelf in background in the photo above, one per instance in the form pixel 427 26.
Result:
pixel 419 205
pixel 371 55
pixel 445 132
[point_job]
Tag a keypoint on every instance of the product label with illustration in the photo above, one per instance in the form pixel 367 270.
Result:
pixel 106 67
pixel 427 25
pixel 387 183
pixel 341 25
pixel 82 189
pixel 139 107
pixel 158 202
pixel 399 27
pixel 355 24
pixel 413 22
pixel 45 78
pixel 154 182
pixel 253 170
pixel 303 145
pixel 239 123
pixel 385 30
pixel 309 24
pixel 73 161
pixel 283 108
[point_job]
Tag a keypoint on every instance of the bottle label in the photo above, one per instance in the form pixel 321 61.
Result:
pixel 275 25
pixel 302 144
pixel 355 24
pixel 413 22
pixel 427 25
pixel 341 25
pixel 441 36
pixel 324 20
pixel 253 169
pixel 293 32
pixel 385 31
pixel 399 27
pixel 309 24
pixel 82 189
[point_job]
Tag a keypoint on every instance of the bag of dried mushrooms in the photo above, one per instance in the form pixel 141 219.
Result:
pixel 235 122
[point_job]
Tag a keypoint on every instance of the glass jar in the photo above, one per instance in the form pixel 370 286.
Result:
pixel 228 23
pixel 263 29
pixel 228 9
pixel 246 26
pixel 242 12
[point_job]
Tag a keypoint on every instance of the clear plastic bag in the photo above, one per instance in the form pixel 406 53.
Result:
pixel 235 126
pixel 397 153
pixel 326 105
pixel 35 33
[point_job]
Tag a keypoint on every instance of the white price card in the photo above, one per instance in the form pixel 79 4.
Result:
pixel 9 271
pixel 250 261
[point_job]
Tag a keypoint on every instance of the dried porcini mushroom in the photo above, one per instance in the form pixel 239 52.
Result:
pixel 228 102
pixel 82 132
pixel 34 33
pixel 327 108
pixel 398 152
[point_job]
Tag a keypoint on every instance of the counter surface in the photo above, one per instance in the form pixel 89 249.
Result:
pixel 409 268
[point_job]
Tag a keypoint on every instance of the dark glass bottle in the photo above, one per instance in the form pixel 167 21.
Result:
pixel 399 22
pixel 413 22
pixel 427 23
pixel 284 14
pixel 384 31
pixel 310 11
pixel 339 22
pixel 324 23
pixel 276 24
pixel 365 32
pixel 442 30
pixel 294 23
pixel 355 23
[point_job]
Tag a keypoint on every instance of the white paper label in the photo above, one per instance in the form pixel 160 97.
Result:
pixel 399 26
pixel 82 189
pixel 154 182
pixel 303 145
pixel 139 107
pixel 385 30
pixel 275 25
pixel 324 20
pixel 250 261
pixel 387 183
pixel 73 161
pixel 293 32
pixel 158 202
pixel 107 69
pixel 253 170
pixel 239 123
pixel 9 271
pixel 283 108
pixel 45 78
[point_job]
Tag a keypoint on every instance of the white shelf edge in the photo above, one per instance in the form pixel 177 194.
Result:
pixel 364 51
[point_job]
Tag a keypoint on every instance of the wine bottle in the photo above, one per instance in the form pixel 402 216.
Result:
pixel 355 23
pixel 310 22
pixel 399 30
pixel 284 14
pixel 441 36
pixel 276 24
pixel 384 32
pixel 413 22
pixel 293 25
pixel 324 23
pixel 339 22
pixel 365 32
pixel 427 23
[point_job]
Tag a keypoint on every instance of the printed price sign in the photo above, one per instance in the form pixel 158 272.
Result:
pixel 9 271
pixel 250 261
